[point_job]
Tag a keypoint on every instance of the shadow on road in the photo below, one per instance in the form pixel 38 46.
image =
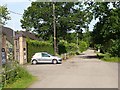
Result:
pixel 90 56
pixel 46 64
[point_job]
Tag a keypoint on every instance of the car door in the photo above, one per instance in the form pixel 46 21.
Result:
pixel 46 58
pixel 38 57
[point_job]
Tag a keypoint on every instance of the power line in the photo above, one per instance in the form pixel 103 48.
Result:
pixel 15 12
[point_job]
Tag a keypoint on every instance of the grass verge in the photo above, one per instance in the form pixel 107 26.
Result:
pixel 22 79
pixel 22 83
pixel 108 58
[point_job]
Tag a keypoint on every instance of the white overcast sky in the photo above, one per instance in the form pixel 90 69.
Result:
pixel 19 6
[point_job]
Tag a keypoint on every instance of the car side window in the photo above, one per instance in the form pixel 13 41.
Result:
pixel 45 55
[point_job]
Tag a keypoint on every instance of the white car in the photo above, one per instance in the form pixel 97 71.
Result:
pixel 44 57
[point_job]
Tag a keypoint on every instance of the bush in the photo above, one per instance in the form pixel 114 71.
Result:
pixel 111 59
pixel 12 73
pixel 107 57
pixel 72 47
pixel 35 46
pixel 78 53
pixel 65 47
pixel 114 49
pixel 62 47
pixel 83 46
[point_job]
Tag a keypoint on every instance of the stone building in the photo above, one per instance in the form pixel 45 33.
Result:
pixel 7 44
pixel 14 43
pixel 20 45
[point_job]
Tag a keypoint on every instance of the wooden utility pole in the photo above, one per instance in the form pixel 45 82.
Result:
pixel 54 27
pixel 77 38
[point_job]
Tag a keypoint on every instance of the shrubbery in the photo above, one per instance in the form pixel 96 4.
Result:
pixel 107 57
pixel 65 47
pixel 34 46
pixel 12 73
pixel 82 46
pixel 112 47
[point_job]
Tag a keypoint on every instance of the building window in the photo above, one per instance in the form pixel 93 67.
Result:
pixel 24 49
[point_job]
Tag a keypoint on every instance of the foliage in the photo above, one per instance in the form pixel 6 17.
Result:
pixel 83 46
pixel 65 47
pixel 115 48
pixel 69 16
pixel 87 37
pixel 97 46
pixel 71 47
pixel 22 83
pixel 111 59
pixel 71 37
pixel 14 72
pixel 107 31
pixel 62 47
pixel 107 57
pixel 4 15
pixel 35 46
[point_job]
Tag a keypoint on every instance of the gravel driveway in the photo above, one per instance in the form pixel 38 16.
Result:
pixel 82 71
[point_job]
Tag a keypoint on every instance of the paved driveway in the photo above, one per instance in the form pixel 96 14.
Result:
pixel 82 71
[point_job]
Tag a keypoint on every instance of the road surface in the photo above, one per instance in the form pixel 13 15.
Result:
pixel 82 71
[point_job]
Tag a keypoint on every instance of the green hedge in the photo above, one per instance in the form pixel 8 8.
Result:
pixel 34 46
pixel 65 47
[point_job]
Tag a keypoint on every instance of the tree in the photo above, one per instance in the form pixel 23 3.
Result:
pixel 39 18
pixel 4 15
pixel 107 30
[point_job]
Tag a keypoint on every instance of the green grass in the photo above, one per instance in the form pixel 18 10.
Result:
pixel 111 59
pixel 108 58
pixel 22 82
pixel 0 86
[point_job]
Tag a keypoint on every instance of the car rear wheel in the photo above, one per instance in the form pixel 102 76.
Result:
pixel 34 62
pixel 54 61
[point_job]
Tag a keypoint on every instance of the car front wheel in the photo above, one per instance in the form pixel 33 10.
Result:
pixel 54 61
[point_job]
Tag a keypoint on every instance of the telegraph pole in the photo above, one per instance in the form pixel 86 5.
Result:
pixel 77 38
pixel 54 27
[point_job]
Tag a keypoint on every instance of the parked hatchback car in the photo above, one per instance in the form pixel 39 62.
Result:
pixel 44 57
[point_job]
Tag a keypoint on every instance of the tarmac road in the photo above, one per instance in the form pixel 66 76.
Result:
pixel 81 71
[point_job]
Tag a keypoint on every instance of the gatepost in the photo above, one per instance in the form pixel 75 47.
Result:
pixel 0 57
